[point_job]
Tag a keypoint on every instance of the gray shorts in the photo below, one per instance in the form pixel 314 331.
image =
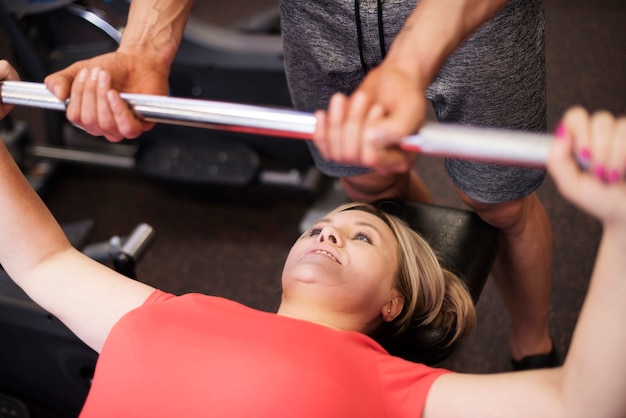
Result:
pixel 496 78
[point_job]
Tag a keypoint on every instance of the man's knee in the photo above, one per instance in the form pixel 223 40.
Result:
pixel 373 186
pixel 508 215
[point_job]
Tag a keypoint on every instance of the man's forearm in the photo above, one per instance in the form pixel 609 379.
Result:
pixel 156 27
pixel 434 30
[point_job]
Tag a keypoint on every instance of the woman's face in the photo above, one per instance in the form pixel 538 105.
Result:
pixel 344 264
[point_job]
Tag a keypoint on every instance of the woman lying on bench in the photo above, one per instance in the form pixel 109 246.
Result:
pixel 354 272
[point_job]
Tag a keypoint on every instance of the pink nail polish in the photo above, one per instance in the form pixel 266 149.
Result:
pixel 600 172
pixel 585 155
pixel 560 131
pixel 613 176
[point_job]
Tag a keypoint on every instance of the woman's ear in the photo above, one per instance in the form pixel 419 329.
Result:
pixel 392 308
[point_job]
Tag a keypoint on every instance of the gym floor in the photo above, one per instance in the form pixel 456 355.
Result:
pixel 232 242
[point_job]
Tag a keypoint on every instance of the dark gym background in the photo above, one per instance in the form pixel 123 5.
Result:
pixel 233 242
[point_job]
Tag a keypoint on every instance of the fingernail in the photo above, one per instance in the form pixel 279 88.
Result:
pixel 613 176
pixel 94 73
pixel 102 79
pixel 111 98
pixel 372 136
pixel 585 155
pixel 82 75
pixel 560 131
pixel 600 172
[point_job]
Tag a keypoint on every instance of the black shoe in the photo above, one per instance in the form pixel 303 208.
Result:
pixel 538 361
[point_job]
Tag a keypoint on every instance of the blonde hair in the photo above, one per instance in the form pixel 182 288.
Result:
pixel 433 296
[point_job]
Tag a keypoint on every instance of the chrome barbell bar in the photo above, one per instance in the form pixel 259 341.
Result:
pixel 440 139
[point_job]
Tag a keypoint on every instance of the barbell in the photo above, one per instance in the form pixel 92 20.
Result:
pixel 440 139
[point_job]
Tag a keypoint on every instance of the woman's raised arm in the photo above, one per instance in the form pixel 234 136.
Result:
pixel 592 381
pixel 86 295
